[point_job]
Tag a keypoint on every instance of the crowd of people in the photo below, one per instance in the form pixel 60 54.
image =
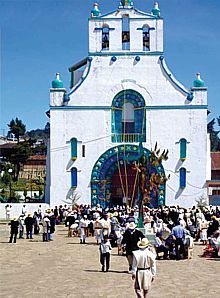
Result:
pixel 174 228
pixel 167 232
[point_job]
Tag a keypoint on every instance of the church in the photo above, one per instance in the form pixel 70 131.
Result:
pixel 126 118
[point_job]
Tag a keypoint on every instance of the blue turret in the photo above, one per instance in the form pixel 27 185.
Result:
pixel 156 11
pixel 57 83
pixel 95 12
pixel 198 83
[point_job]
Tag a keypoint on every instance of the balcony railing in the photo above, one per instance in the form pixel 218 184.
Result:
pixel 128 138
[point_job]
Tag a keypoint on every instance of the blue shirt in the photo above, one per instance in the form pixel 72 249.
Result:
pixel 178 232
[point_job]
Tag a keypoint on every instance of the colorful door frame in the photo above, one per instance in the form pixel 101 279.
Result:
pixel 106 165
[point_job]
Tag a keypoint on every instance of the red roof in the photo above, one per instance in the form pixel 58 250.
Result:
pixel 8 145
pixel 215 156
pixel 37 157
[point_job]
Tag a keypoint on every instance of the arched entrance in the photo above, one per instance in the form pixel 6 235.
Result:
pixel 113 177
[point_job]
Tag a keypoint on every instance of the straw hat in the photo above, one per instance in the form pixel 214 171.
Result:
pixel 143 243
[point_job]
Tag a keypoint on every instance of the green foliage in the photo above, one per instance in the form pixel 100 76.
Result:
pixel 38 133
pixel 17 127
pixel 22 152
pixel 215 140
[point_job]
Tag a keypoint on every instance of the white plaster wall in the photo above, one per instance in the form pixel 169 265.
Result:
pixel 95 37
pixel 17 208
pixel 92 128
pixel 106 78
pixel 56 96
pixel 167 128
pixel 115 36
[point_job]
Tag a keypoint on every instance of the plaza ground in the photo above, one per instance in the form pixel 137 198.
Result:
pixel 65 268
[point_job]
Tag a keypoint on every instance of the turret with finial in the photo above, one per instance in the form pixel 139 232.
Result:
pixel 198 83
pixel 156 11
pixel 95 12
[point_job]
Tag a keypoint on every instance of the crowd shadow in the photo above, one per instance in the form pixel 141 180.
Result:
pixel 85 244
pixel 213 259
pixel 110 271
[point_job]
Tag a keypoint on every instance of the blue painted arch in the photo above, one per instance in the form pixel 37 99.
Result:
pixel 105 167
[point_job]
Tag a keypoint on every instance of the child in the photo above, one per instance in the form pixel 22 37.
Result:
pixel 105 248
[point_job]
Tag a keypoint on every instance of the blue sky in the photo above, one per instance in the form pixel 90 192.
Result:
pixel 41 37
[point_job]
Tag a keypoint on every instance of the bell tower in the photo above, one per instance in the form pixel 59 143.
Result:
pixel 125 30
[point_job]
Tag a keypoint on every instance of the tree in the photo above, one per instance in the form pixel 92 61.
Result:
pixel 17 127
pixel 214 138
pixel 23 151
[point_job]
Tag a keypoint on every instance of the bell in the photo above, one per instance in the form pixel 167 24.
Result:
pixel 125 37
pixel 105 42
pixel 146 40
pixel 146 44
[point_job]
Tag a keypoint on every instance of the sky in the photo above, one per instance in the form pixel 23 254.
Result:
pixel 42 37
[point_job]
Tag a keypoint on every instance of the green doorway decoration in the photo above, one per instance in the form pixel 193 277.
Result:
pixel 110 162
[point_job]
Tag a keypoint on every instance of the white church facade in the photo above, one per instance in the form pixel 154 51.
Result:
pixel 127 100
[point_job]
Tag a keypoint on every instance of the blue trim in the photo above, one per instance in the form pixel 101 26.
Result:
pixel 67 95
pixel 146 14
pixel 152 28
pixel 101 29
pixel 125 53
pixel 73 177
pixel 106 14
pixel 199 88
pixel 115 19
pixel 182 178
pixel 171 107
pixel 169 75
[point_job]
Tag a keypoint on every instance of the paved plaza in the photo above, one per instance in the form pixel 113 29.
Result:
pixel 65 268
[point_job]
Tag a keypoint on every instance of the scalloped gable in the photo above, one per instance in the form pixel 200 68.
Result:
pixel 133 13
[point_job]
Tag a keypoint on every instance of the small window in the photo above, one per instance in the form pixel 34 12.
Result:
pixel 183 143
pixel 128 118
pixel 146 38
pixel 73 148
pixel 105 38
pixel 125 32
pixel 83 150
pixel 74 177
pixel 182 178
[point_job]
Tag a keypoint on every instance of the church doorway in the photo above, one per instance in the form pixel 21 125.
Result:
pixel 124 186
pixel 114 180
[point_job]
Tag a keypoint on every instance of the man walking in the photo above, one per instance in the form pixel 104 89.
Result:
pixel 143 268
pixel 130 239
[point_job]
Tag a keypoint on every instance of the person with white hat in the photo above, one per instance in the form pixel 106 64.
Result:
pixel 130 239
pixel 143 268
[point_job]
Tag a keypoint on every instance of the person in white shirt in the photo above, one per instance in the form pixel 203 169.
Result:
pixel 143 268
pixel 24 210
pixel 83 224
pixel 7 211
pixel 105 248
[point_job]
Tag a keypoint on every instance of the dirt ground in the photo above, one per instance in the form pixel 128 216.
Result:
pixel 65 268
